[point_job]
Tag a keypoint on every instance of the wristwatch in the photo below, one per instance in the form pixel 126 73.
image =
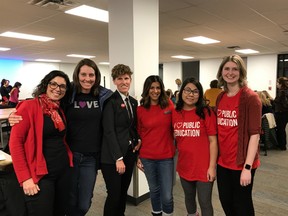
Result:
pixel 247 167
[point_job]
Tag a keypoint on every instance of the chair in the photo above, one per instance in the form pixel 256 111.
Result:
pixel 268 137
pixel 6 128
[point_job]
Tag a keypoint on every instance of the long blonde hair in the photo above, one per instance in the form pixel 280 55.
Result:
pixel 242 69
pixel 265 101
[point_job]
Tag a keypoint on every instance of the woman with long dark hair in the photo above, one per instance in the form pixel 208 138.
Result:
pixel 195 132
pixel 157 150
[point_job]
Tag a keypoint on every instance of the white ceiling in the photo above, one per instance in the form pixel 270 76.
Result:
pixel 254 24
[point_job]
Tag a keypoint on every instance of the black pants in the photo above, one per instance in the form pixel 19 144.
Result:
pixel 117 185
pixel 52 199
pixel 281 121
pixel 11 195
pixel 235 199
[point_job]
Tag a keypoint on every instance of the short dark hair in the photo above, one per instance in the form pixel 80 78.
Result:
pixel 120 69
pixel 214 84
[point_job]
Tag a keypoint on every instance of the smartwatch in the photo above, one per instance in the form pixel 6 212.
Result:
pixel 247 167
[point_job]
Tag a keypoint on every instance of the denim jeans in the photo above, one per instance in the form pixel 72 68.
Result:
pixel 159 174
pixel 83 180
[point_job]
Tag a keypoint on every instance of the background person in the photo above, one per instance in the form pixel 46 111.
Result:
pixel 40 154
pixel 266 103
pixel 157 148
pixel 211 94
pixel 120 142
pixel 281 111
pixel 4 91
pixel 239 128
pixel 14 95
pixel 195 132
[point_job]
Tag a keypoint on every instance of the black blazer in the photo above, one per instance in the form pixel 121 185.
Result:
pixel 118 129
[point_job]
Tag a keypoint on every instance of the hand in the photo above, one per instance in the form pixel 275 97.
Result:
pixel 245 178
pixel 140 165
pixel 137 147
pixel 120 167
pixel 30 188
pixel 211 174
pixel 13 118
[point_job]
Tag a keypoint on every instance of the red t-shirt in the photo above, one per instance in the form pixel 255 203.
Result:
pixel 155 130
pixel 193 144
pixel 227 121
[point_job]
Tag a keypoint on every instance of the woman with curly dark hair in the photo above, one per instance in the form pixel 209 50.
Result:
pixel 157 150
pixel 40 154
pixel 195 132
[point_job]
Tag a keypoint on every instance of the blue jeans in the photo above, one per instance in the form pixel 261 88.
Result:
pixel 159 174
pixel 83 180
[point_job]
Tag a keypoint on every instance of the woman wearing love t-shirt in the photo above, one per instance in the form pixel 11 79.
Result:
pixel 84 133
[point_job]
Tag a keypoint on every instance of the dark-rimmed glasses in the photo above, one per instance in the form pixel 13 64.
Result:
pixel 189 91
pixel 54 85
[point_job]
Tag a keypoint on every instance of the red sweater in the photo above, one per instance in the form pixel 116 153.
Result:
pixel 26 143
pixel 155 130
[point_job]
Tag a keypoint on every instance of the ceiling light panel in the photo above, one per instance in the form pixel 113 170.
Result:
pixel 90 13
pixel 80 56
pixel 26 36
pixel 4 49
pixel 247 51
pixel 182 57
pixel 201 40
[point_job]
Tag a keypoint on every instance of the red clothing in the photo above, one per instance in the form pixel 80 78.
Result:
pixel 14 95
pixel 193 144
pixel 155 130
pixel 246 106
pixel 26 143
pixel 227 121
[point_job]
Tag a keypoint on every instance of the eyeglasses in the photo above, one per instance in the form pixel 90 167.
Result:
pixel 189 91
pixel 54 85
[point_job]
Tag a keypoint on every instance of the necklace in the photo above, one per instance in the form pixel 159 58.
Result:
pixel 231 94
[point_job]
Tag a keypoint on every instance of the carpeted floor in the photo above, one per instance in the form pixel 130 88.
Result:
pixel 270 191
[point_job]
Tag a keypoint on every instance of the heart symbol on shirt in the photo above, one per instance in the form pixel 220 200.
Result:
pixel 178 125
pixel 82 104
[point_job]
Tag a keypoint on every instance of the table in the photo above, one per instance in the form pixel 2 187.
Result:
pixel 4 114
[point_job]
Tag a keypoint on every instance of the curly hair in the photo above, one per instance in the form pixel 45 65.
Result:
pixel 120 69
pixel 41 88
pixel 146 101
pixel 88 62
pixel 201 103
pixel 242 69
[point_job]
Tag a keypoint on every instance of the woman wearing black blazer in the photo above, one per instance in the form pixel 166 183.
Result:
pixel 120 142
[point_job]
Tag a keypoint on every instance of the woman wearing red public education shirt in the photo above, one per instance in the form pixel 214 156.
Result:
pixel 239 126
pixel 195 132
